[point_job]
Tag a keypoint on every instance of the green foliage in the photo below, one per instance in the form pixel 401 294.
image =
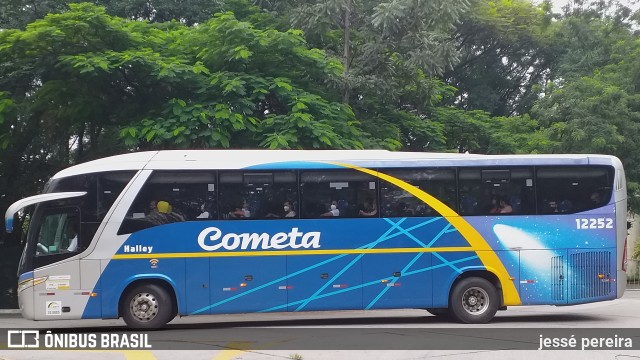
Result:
pixel 222 83
pixel 392 52
pixel 594 105
pixel 255 88
pixel 506 52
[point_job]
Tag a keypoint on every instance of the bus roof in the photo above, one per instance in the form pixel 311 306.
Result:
pixel 297 159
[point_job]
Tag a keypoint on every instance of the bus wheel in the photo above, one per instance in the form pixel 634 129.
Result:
pixel 147 306
pixel 474 300
pixel 439 312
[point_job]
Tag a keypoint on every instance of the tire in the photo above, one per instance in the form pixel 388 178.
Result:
pixel 147 306
pixel 474 300
pixel 439 312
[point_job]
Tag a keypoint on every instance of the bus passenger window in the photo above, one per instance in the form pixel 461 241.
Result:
pixel 172 196
pixel 572 189
pixel 496 191
pixel 338 193
pixel 397 202
pixel 258 195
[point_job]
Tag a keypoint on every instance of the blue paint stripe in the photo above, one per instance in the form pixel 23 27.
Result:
pixel 410 236
pixel 413 272
pixel 395 279
pixel 447 262
pixel 371 283
pixel 435 238
pixel 330 282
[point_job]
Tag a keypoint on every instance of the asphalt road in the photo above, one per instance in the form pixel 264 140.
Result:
pixel 382 334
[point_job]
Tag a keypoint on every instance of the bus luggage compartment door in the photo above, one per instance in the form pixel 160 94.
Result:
pixel 397 280
pixel 543 277
pixel 324 282
pixel 248 284
pixel 197 286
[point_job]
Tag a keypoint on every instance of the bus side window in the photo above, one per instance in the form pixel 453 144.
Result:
pixel 338 193
pixel 258 195
pixel 172 196
pixel 439 183
pixel 497 191
pixel 572 189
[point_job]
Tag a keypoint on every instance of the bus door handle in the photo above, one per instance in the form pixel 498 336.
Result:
pixel 396 274
pixel 324 276
pixel 248 277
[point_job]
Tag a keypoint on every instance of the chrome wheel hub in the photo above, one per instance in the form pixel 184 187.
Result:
pixel 144 307
pixel 475 301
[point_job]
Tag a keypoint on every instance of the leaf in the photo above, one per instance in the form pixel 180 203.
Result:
pixel 299 106
pixel 150 135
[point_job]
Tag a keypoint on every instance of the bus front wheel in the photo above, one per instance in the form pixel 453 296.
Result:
pixel 147 306
pixel 474 300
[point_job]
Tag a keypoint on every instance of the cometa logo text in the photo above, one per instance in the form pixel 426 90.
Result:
pixel 212 239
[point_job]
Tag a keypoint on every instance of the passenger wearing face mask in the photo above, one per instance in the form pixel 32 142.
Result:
pixel 288 211
pixel 334 210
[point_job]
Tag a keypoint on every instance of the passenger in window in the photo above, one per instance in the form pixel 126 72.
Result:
pixel 289 212
pixel 495 207
pixel 369 209
pixel 505 206
pixel 204 213
pixel 164 214
pixel 155 216
pixel 172 215
pixel 596 199
pixel 333 210
pixel 550 206
pixel 240 211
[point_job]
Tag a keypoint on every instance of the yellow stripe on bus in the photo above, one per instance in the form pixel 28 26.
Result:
pixel 486 254
pixel 289 252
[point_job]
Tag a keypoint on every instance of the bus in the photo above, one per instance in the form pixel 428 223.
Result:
pixel 149 236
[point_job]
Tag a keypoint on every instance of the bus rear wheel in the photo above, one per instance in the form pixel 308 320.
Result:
pixel 474 300
pixel 147 306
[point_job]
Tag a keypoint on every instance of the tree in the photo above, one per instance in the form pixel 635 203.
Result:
pixel 392 52
pixel 506 52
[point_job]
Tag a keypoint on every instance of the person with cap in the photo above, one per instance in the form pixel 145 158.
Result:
pixel 163 214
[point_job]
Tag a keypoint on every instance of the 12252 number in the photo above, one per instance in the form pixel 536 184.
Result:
pixel 594 223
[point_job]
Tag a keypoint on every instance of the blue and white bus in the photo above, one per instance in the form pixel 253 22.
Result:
pixel 151 235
